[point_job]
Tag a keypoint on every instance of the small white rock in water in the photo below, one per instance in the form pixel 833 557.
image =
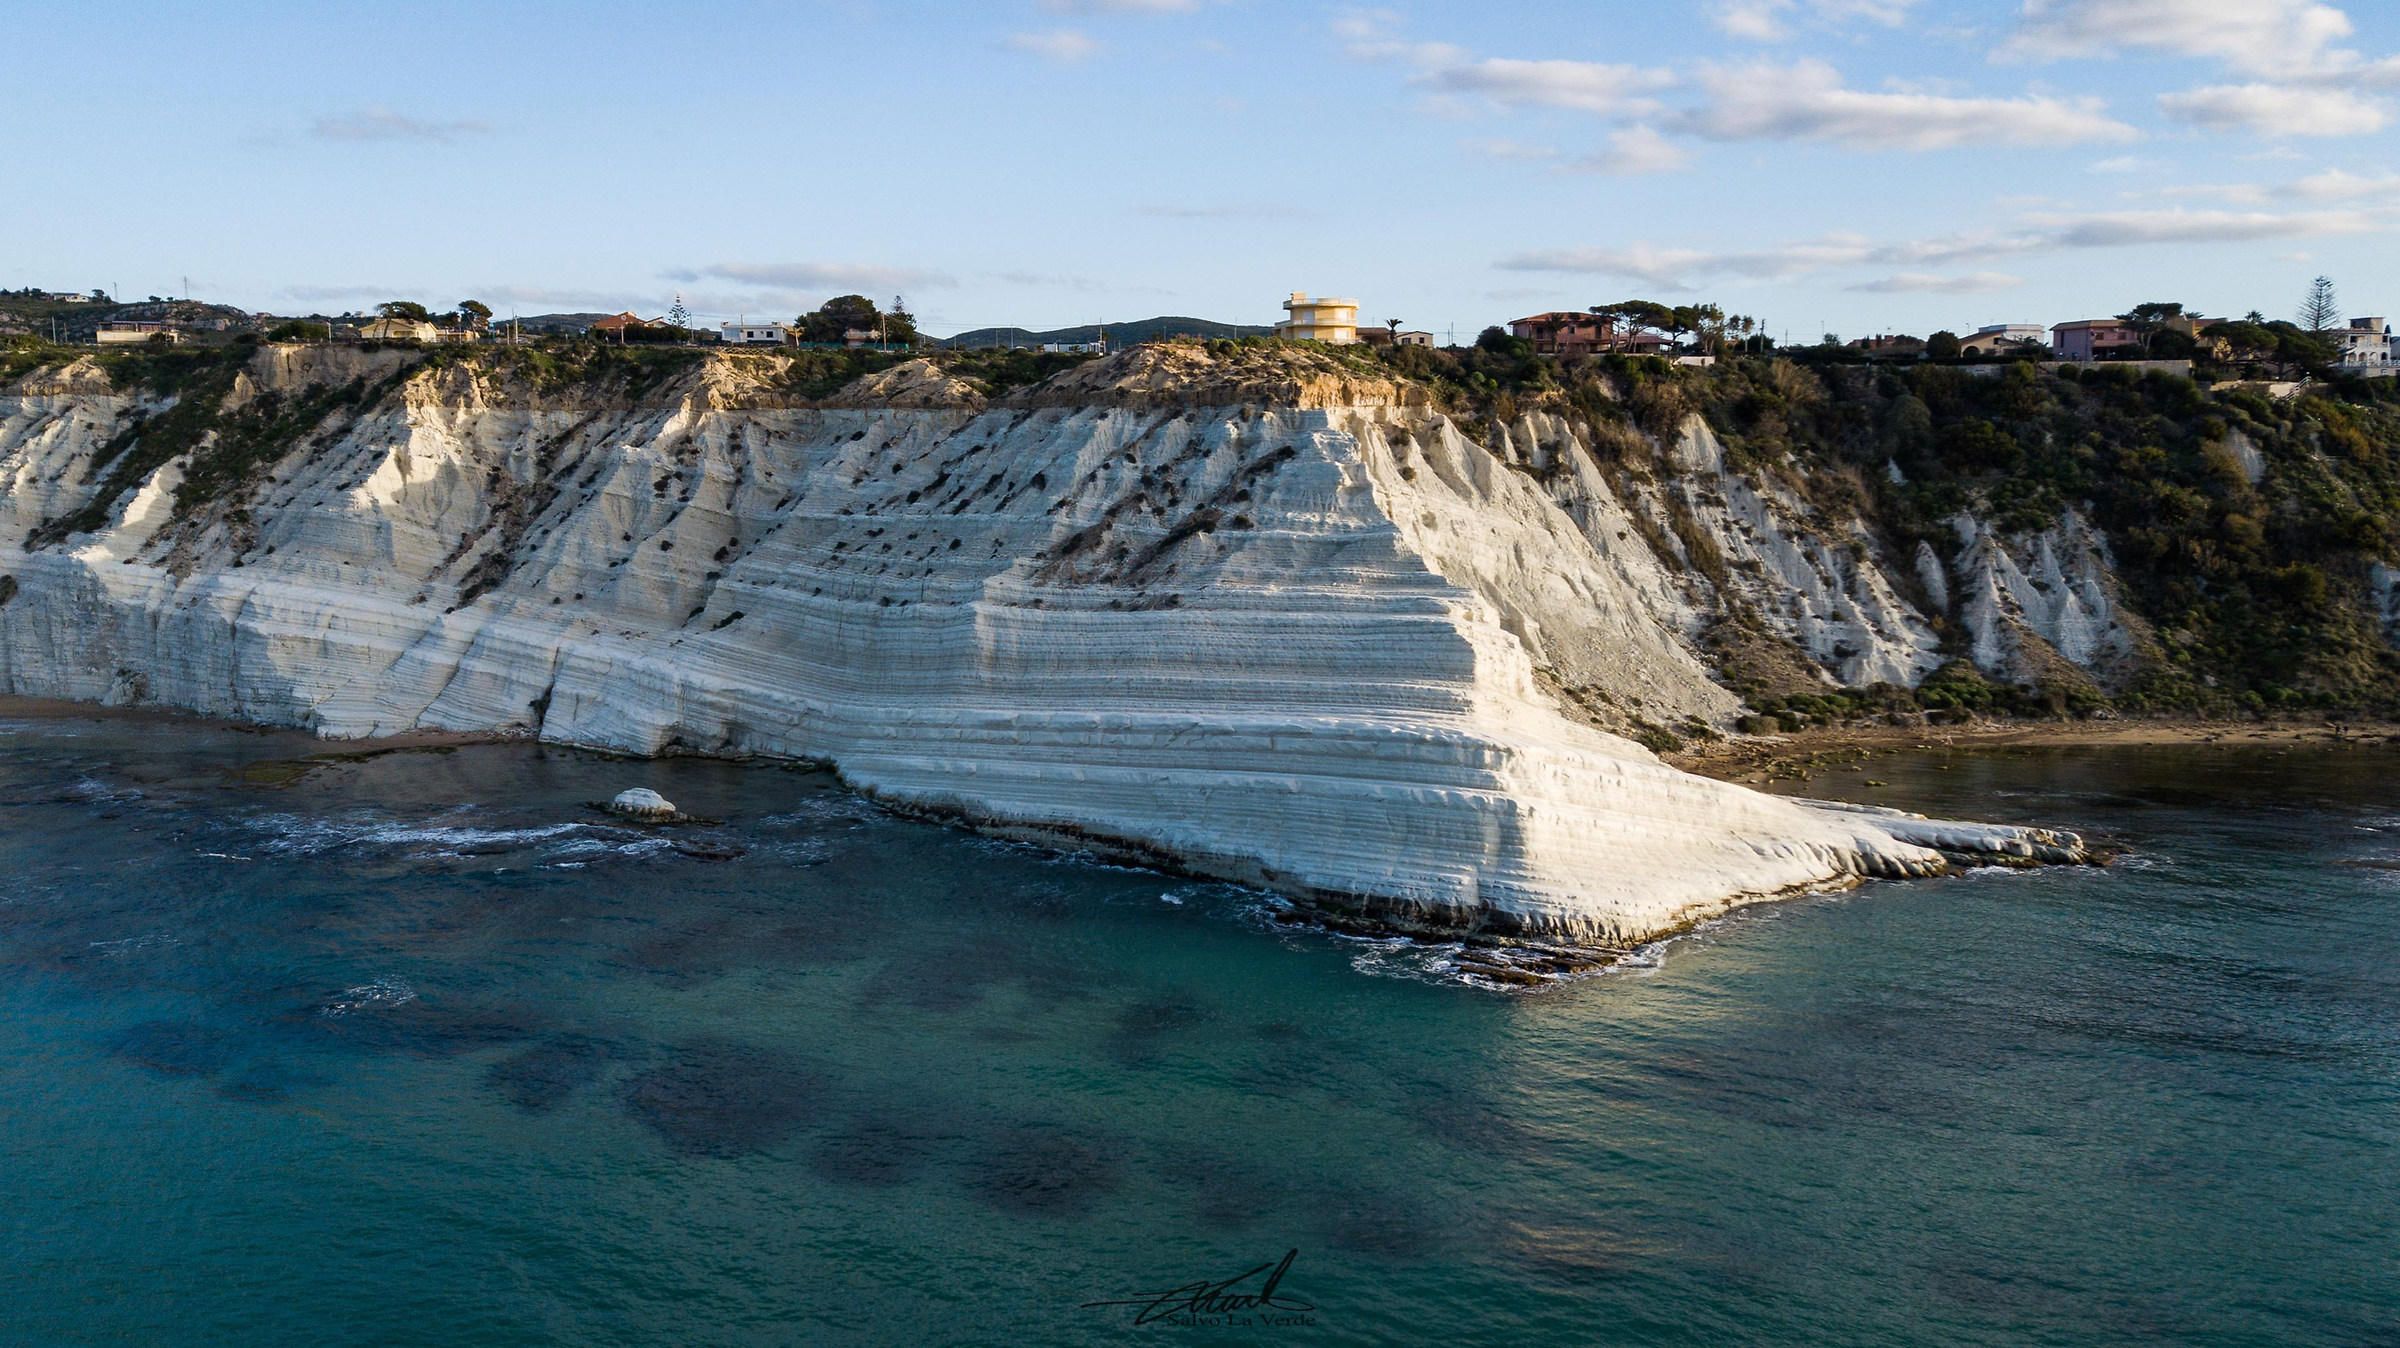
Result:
pixel 641 802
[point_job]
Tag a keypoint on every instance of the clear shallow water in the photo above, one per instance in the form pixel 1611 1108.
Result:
pixel 418 1049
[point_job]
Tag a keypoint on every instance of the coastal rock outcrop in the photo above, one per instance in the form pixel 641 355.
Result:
pixel 640 802
pixel 1261 617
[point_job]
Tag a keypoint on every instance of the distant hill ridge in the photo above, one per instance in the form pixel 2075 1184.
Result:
pixel 1119 334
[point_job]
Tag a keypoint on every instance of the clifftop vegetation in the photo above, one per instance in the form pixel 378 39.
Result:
pixel 2246 528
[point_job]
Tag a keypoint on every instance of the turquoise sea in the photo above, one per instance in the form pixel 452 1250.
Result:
pixel 419 1049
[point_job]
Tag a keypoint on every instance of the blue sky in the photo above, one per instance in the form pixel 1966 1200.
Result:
pixel 1844 165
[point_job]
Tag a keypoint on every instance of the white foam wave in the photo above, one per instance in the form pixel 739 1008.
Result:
pixel 388 990
pixel 611 842
pixel 395 835
pixel 817 811
pixel 295 835
pixel 128 945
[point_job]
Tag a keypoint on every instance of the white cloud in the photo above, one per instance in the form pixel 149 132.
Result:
pixel 1372 35
pixel 1807 101
pixel 2124 163
pixel 1804 100
pixel 817 277
pixel 1581 86
pixel 1889 13
pixel 308 294
pixel 1678 269
pixel 2331 185
pixel 2364 74
pixel 1060 44
pixel 1764 21
pixel 2276 110
pixel 1584 86
pixel 2276 41
pixel 1757 20
pixel 1637 150
pixel 2342 185
pixel 1673 269
pixel 2301 83
pixel 2120 229
pixel 2265 37
pixel 1502 148
pixel 377 123
pixel 2246 194
pixel 1121 6
pixel 1927 283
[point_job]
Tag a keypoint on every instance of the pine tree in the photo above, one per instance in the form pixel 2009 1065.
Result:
pixel 2320 312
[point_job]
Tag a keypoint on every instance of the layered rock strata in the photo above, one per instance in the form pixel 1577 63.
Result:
pixel 1261 618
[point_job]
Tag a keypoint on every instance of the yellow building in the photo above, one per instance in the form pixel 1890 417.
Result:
pixel 1320 320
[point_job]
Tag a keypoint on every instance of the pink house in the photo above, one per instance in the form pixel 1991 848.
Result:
pixel 2094 339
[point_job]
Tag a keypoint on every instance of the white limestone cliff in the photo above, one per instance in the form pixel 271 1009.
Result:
pixel 1253 617
pixel 2034 601
pixel 1818 583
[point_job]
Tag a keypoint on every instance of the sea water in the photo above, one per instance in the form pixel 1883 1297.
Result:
pixel 419 1048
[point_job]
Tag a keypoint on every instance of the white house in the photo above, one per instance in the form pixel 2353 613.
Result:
pixel 1319 320
pixel 1995 338
pixel 2366 345
pixel 754 334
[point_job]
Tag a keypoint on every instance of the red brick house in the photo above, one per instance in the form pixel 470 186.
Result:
pixel 1576 333
pixel 615 324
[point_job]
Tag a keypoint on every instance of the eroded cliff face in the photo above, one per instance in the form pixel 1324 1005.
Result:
pixel 1260 618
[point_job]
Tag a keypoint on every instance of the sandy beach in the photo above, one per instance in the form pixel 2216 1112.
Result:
pixel 1769 758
